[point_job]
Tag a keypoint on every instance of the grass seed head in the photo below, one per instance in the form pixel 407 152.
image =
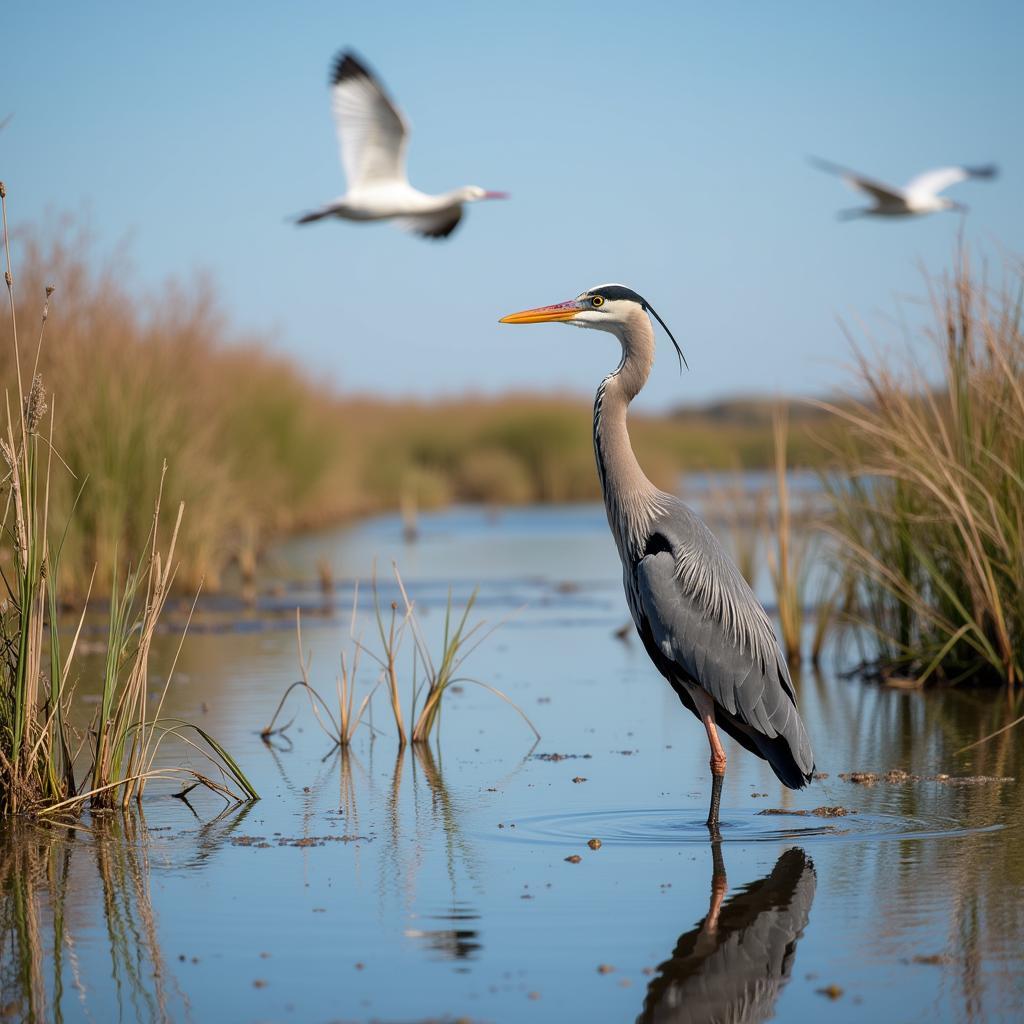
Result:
pixel 35 404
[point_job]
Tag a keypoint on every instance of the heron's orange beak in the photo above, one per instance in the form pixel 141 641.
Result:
pixel 544 314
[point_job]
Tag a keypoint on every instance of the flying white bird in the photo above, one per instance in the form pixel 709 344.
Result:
pixel 373 135
pixel 920 195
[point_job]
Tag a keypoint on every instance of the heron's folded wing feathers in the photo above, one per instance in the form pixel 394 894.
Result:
pixel 705 619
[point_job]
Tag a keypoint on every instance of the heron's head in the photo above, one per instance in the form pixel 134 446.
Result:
pixel 606 307
pixel 474 193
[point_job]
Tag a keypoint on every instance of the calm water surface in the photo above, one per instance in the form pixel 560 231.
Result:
pixel 434 886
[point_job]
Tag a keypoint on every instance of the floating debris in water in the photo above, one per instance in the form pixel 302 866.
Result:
pixel 260 842
pixel 831 991
pixel 579 778
pixel 561 757
pixel 574 858
pixel 594 844
pixel 933 958
pixel 605 968
pixel 817 812
pixel 898 777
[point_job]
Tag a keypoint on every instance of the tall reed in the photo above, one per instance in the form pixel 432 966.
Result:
pixel 928 501
pixel 37 765
pixel 788 562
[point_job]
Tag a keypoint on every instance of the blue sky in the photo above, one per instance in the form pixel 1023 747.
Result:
pixel 662 145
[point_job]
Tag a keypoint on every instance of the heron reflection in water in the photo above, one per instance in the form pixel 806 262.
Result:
pixel 732 966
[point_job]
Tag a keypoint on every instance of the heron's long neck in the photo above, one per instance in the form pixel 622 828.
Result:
pixel 630 499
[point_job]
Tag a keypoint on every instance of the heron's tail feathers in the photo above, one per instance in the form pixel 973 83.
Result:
pixel 789 753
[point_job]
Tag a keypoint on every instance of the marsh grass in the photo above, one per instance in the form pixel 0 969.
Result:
pixel 340 728
pixel 928 503
pixel 38 746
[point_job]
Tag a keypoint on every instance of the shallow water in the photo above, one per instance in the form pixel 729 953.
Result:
pixel 435 885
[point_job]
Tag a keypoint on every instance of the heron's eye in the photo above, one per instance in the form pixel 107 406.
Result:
pixel 597 301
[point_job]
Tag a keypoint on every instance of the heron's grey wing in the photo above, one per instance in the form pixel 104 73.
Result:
pixel 705 620
pixel 882 192
pixel 437 225
pixel 931 183
pixel 372 132
pixel 736 971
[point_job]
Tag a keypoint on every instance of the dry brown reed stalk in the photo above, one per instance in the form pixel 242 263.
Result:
pixel 788 562
pixel 929 504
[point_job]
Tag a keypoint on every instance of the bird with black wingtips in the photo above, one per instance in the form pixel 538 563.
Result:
pixel 698 619
pixel 918 197
pixel 373 136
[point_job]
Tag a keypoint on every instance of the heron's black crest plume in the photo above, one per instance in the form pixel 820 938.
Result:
pixel 675 344
pixel 620 291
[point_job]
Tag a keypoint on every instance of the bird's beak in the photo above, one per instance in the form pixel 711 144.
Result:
pixel 544 314
pixel 496 195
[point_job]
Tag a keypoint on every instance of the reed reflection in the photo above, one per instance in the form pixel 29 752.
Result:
pixel 41 871
pixel 733 964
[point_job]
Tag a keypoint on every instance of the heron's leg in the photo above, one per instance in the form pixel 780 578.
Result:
pixel 706 709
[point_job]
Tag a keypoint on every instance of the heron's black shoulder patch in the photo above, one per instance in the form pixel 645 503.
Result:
pixel 347 65
pixel 657 543
pixel 618 291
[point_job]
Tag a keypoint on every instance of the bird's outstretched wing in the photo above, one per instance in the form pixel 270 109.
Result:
pixel 435 225
pixel 705 624
pixel 931 183
pixel 372 133
pixel 882 192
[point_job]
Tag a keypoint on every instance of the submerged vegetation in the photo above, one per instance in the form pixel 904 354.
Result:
pixel 39 746
pixel 928 498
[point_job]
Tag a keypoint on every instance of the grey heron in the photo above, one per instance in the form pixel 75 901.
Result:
pixel 919 196
pixel 373 135
pixel 699 621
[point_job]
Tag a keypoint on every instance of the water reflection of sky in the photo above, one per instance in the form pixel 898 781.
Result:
pixel 368 887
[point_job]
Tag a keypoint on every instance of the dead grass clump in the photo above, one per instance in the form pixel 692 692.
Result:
pixel 38 747
pixel 928 504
